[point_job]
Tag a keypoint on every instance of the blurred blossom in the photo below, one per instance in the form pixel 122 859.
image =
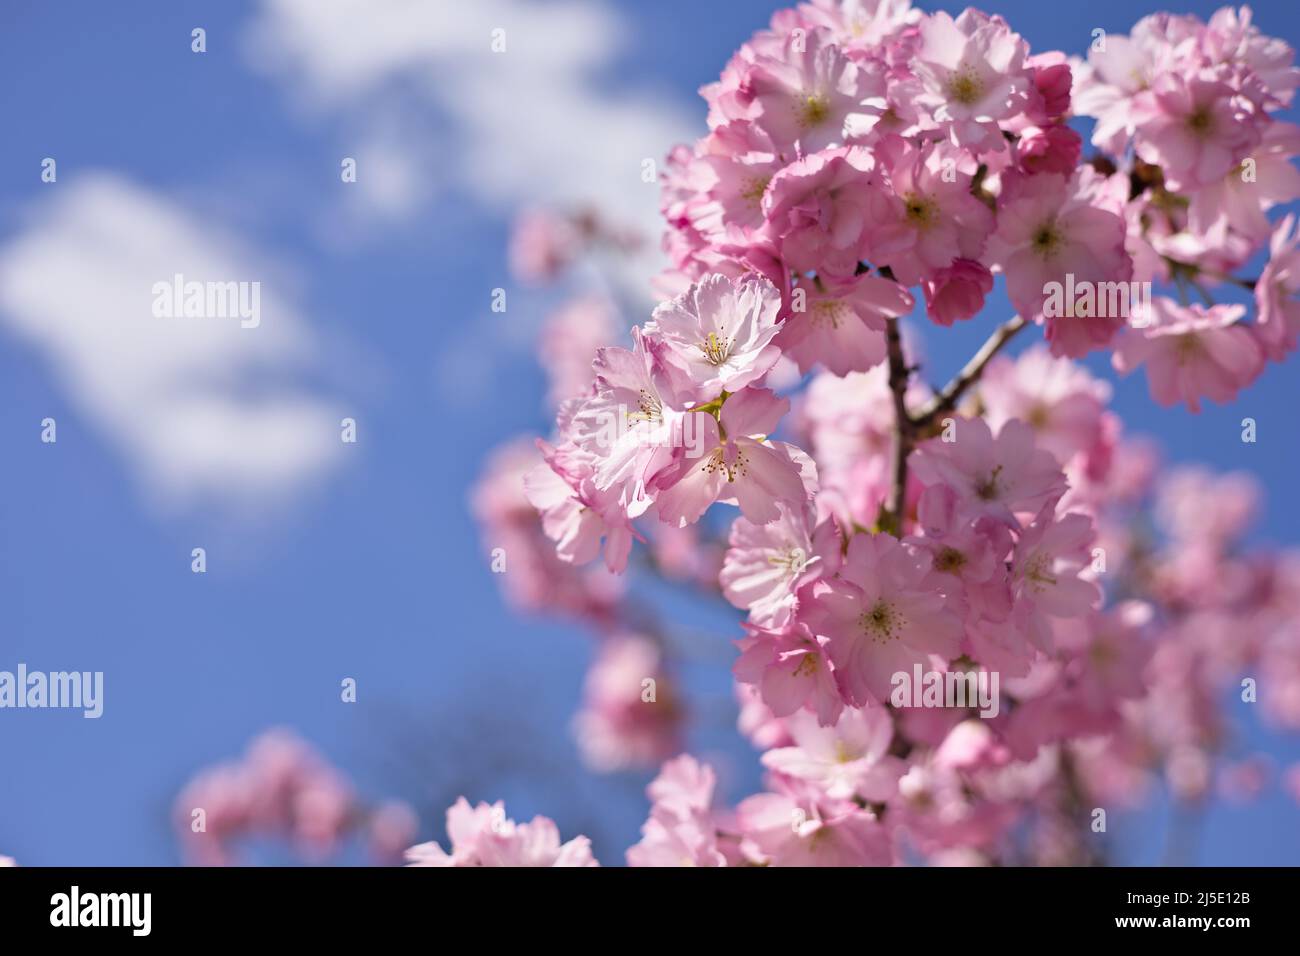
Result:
pixel 542 245
pixel 1244 780
pixel 631 715
pixel 484 836
pixel 282 789
pixel 569 339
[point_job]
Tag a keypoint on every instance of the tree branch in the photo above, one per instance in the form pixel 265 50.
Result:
pixel 948 397
pixel 891 519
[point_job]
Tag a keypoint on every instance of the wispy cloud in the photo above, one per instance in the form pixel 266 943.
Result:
pixel 432 113
pixel 538 122
pixel 202 408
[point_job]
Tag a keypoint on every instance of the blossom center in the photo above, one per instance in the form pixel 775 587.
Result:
pixel 1038 570
pixel 950 560
pixel 1102 654
pixel 1188 349
pixel 921 210
pixel 828 312
pixel 1047 239
pixel 882 622
pixel 807 667
pixel 716 350
pixel 814 109
pixel 987 490
pixel 1201 121
pixel 753 188
pixel 965 87
pixel 651 409
pixel 794 560
pixel 718 462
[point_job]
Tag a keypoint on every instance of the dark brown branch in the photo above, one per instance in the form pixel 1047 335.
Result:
pixel 948 397
pixel 891 519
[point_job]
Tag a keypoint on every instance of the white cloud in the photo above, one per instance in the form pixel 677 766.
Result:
pixel 202 408
pixel 429 110
pixel 539 122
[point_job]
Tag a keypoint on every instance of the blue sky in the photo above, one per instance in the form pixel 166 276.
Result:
pixel 328 560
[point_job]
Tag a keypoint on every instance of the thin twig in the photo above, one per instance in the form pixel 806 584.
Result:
pixel 1203 292
pixel 1191 271
pixel 948 397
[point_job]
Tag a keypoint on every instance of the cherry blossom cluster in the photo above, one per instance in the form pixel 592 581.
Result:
pixel 866 162
pixel 1185 126
pixel 283 790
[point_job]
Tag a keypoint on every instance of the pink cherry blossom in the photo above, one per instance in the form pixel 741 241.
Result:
pixel 880 616
pixel 861 24
pixel 939 810
pixel 1111 651
pixel 280 789
pixel 1049 94
pixel 483 836
pixel 1046 573
pixel 573 513
pixel 1003 524
pixel 767 564
pixel 621 724
pixel 810 95
pixel 634 424
pixel 932 219
pixel 847 760
pixel 995 476
pixel 790 669
pixel 1197 129
pixel 730 177
pixel 681 830
pixel 1196 506
pixel 542 245
pixel 1051 149
pixel 957 291
pixel 539 577
pixel 1192 353
pixel 1230 38
pixel 848 423
pixel 1050 229
pixel 968 557
pixel 819 209
pixel 842 323
pixel 783 830
pixel 1118 71
pixel 757 723
pixel 1276 292
pixel 1057 398
pixel 739 465
pixel 974 75
pixel 1240 199
pixel 569 339
pixel 720 332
